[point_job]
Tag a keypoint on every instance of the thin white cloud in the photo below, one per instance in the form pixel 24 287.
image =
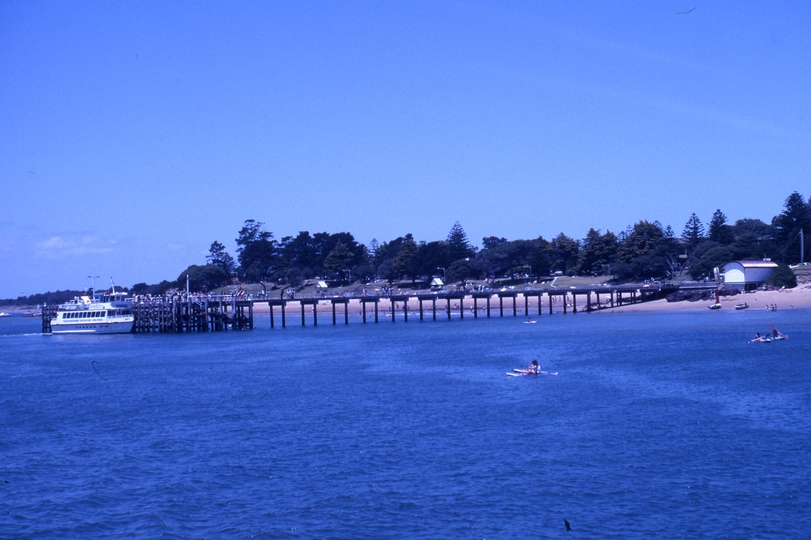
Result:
pixel 57 246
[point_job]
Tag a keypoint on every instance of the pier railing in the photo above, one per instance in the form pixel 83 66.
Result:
pixel 221 313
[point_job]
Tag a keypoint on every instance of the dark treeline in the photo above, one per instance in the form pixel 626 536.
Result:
pixel 645 250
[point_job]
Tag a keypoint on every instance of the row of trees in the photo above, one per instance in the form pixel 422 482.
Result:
pixel 645 250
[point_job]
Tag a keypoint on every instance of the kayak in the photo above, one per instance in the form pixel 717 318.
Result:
pixel 760 340
pixel 519 372
pixel 530 322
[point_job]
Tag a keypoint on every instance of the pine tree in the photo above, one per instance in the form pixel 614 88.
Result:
pixel 458 245
pixel 719 231
pixel 693 232
pixel 796 216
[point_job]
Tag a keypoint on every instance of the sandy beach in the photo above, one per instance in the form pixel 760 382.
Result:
pixel 799 297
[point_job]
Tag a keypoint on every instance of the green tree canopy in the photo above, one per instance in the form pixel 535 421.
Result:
pixel 339 260
pixel 490 242
pixel 719 231
pixel 405 259
pixel 782 276
pixel 462 270
pixel 431 256
pixel 795 217
pixel 564 253
pixel 713 255
pixel 457 244
pixel 597 250
pixel 645 238
pixel 203 278
pixel 218 256
pixel 256 251
pixel 693 232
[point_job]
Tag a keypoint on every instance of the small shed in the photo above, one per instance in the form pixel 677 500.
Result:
pixel 321 285
pixel 749 274
pixel 436 282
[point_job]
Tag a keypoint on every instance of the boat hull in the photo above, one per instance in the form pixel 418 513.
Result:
pixel 120 327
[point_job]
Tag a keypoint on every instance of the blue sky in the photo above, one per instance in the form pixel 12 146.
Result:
pixel 134 134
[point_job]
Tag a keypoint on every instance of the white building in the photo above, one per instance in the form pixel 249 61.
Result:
pixel 747 275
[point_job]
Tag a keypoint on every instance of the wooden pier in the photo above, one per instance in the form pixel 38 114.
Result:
pixel 194 314
pixel 180 314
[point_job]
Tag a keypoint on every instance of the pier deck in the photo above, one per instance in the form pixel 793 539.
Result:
pixel 180 314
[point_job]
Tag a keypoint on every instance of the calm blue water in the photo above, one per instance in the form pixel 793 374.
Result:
pixel 659 425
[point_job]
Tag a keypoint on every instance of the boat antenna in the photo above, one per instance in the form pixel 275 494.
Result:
pixel 94 283
pixel 112 285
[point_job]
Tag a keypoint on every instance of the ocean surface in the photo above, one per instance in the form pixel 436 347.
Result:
pixel 659 425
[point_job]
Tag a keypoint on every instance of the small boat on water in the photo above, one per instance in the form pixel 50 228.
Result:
pixel 741 306
pixel 777 335
pixel 760 339
pixel 105 313
pixel 4 314
pixel 518 372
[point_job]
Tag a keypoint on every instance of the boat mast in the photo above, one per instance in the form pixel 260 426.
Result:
pixel 717 289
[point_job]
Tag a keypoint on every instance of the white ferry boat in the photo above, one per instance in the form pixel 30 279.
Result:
pixel 105 313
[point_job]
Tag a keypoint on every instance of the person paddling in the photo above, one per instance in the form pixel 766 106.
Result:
pixel 534 368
